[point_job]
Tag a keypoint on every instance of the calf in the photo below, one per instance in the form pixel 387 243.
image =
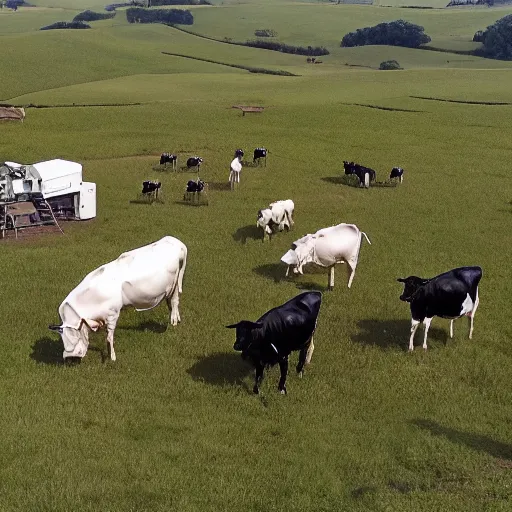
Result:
pixel 449 295
pixel 260 153
pixel 234 171
pixel 279 214
pixel 169 158
pixel 194 161
pixel 280 331
pixel 150 189
pixel 397 172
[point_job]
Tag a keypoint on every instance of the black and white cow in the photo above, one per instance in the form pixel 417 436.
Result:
pixel 239 153
pixel 260 153
pixel 449 295
pixel 150 189
pixel 364 174
pixel 397 172
pixel 194 186
pixel 194 161
pixel 276 334
pixel 169 158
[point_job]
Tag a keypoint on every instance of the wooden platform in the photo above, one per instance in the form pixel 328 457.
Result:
pixel 249 109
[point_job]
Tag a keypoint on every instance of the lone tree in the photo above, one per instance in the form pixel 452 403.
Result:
pixel 395 33
pixel 497 39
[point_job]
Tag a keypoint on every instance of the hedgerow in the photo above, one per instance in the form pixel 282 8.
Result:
pixel 93 16
pixel 166 16
pixel 66 24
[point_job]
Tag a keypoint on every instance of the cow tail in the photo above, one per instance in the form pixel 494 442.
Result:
pixel 309 353
pixel 368 240
pixel 181 271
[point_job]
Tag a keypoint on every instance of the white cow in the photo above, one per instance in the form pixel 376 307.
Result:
pixel 141 278
pixel 328 246
pixel 234 171
pixel 279 213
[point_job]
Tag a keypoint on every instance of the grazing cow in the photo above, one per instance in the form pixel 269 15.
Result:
pixel 239 153
pixel 397 172
pixel 141 278
pixel 328 246
pixel 364 174
pixel 194 161
pixel 449 295
pixel 278 214
pixel 150 189
pixel 260 153
pixel 280 331
pixel 195 186
pixel 169 158
pixel 234 171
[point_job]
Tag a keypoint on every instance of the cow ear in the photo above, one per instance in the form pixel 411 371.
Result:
pixel 401 280
pixel 56 328
pixel 70 317
pixel 233 326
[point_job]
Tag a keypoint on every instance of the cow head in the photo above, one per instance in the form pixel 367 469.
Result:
pixel 74 332
pixel 244 335
pixel 411 285
pixel 264 219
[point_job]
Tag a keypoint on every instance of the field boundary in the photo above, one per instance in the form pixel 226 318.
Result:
pixel 465 102
pixel 391 109
pixel 73 105
pixel 238 66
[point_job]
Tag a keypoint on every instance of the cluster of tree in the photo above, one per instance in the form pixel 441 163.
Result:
pixel 287 48
pixel 395 33
pixel 151 3
pixel 390 64
pixel 165 16
pixel 66 24
pixel 14 4
pixel 93 16
pixel 470 2
pixel 113 7
pixel 265 32
pixel 496 39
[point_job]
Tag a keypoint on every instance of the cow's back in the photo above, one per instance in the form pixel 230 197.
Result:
pixel 140 278
pixel 337 243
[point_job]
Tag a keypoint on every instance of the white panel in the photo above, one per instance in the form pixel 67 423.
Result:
pixel 87 203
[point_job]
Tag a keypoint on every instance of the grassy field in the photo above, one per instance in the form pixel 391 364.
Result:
pixel 173 424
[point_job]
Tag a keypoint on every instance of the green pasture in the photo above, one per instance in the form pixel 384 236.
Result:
pixel 173 424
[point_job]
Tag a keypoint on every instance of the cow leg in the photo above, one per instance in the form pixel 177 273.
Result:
pixel 351 278
pixel 111 326
pixel 305 356
pixel 287 270
pixel 283 365
pixel 472 315
pixel 414 327
pixel 451 328
pixel 426 322
pixel 259 378
pixel 330 283
pixel 173 302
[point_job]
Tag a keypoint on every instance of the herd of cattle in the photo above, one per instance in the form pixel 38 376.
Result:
pixel 366 175
pixel 144 277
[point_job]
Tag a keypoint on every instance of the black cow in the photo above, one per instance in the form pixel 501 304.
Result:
pixel 360 171
pixel 260 153
pixel 449 295
pixel 272 338
pixel 194 161
pixel 169 158
pixel 150 189
pixel 397 172
pixel 239 153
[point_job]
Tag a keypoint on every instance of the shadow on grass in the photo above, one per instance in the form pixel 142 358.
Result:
pixel 146 201
pixel 219 185
pixel 221 369
pixel 47 350
pixel 477 442
pixel 274 271
pixel 389 333
pixel 251 231
pixel 148 325
pixel 343 179
pixel 191 203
